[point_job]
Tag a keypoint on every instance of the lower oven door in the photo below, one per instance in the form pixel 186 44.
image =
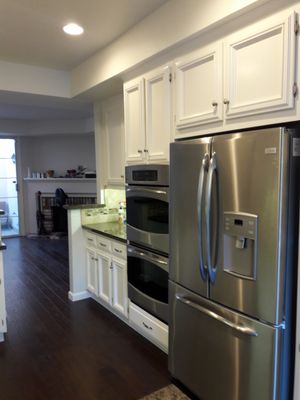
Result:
pixel 147 212
pixel 148 275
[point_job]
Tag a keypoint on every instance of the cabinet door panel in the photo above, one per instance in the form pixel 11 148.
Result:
pixel 198 87
pixel 260 68
pixel 3 327
pixel 158 119
pixel 134 120
pixel 92 279
pixel 119 286
pixel 114 125
pixel 104 277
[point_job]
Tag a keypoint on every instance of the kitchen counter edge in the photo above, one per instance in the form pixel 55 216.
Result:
pixel 82 206
pixel 96 229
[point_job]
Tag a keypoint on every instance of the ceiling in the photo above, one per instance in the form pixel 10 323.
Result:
pixel 31 33
pixel 31 30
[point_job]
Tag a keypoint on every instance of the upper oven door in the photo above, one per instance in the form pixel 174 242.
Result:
pixel 147 210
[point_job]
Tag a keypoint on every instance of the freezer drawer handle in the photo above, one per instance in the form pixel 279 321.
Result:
pixel 239 328
pixel 203 169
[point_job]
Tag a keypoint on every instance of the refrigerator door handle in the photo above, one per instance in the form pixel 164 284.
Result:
pixel 212 271
pixel 240 328
pixel 203 169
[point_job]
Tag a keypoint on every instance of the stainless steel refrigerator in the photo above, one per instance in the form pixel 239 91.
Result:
pixel 233 241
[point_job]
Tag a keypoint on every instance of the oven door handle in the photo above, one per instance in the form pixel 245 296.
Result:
pixel 158 194
pixel 146 190
pixel 146 256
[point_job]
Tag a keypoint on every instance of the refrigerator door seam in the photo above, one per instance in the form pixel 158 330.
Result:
pixel 212 168
pixel 203 170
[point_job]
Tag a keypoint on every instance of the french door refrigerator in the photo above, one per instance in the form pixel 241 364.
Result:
pixel 233 237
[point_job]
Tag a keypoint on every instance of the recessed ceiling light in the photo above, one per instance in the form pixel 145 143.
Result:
pixel 73 29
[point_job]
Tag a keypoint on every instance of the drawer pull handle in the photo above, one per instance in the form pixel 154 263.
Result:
pixel 102 244
pixel 147 326
pixel 118 251
pixel 90 240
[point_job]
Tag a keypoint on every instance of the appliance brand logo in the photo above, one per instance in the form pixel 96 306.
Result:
pixel 270 150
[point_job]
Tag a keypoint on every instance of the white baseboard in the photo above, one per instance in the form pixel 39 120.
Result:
pixel 79 295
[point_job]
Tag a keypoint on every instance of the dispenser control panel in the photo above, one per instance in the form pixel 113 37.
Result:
pixel 240 225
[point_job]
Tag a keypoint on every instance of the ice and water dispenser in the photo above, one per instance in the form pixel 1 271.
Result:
pixel 240 244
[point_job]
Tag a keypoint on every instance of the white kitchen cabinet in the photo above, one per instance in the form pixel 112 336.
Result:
pixel 198 87
pixel 107 272
pixel 91 269
pixel 113 118
pixel 147 107
pixel 119 286
pixel 149 326
pixel 260 68
pixel 104 276
pixel 134 118
pixel 158 114
pixel 247 79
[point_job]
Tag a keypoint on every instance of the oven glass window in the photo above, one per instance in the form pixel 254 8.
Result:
pixel 148 278
pixel 147 214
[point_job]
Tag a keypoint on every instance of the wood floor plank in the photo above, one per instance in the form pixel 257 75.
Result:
pixel 59 350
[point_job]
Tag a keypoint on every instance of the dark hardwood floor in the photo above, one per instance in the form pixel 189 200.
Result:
pixel 59 350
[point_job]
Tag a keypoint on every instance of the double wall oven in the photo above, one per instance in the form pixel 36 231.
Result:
pixel 147 208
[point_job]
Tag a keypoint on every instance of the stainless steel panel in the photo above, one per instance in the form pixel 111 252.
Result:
pixel 252 177
pixel 220 354
pixel 161 170
pixel 155 276
pixel 156 241
pixel 154 307
pixel 186 160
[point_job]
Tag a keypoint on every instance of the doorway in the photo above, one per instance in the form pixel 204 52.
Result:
pixel 9 201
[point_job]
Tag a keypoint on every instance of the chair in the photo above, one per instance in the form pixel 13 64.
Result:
pixel 4 219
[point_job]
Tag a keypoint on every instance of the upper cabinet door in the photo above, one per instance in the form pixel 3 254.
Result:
pixel 260 68
pixel 198 87
pixel 158 115
pixel 115 142
pixel 134 120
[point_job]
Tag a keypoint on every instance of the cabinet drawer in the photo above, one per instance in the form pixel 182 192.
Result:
pixel 90 239
pixel 119 250
pixel 103 243
pixel 149 325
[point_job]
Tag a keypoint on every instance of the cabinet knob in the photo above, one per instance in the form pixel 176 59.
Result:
pixel 146 151
pixel 140 151
pixel 214 104
pixel 122 176
pixel 226 101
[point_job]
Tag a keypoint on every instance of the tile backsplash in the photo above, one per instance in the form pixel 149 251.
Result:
pixel 109 213
pixel 113 197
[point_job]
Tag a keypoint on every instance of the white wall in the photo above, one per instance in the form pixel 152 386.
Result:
pixel 32 79
pixel 59 153
pixel 176 21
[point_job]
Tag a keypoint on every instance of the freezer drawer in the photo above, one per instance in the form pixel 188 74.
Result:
pixel 220 354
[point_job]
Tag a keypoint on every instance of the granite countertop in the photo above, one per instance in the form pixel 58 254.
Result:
pixel 113 230
pixel 82 206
